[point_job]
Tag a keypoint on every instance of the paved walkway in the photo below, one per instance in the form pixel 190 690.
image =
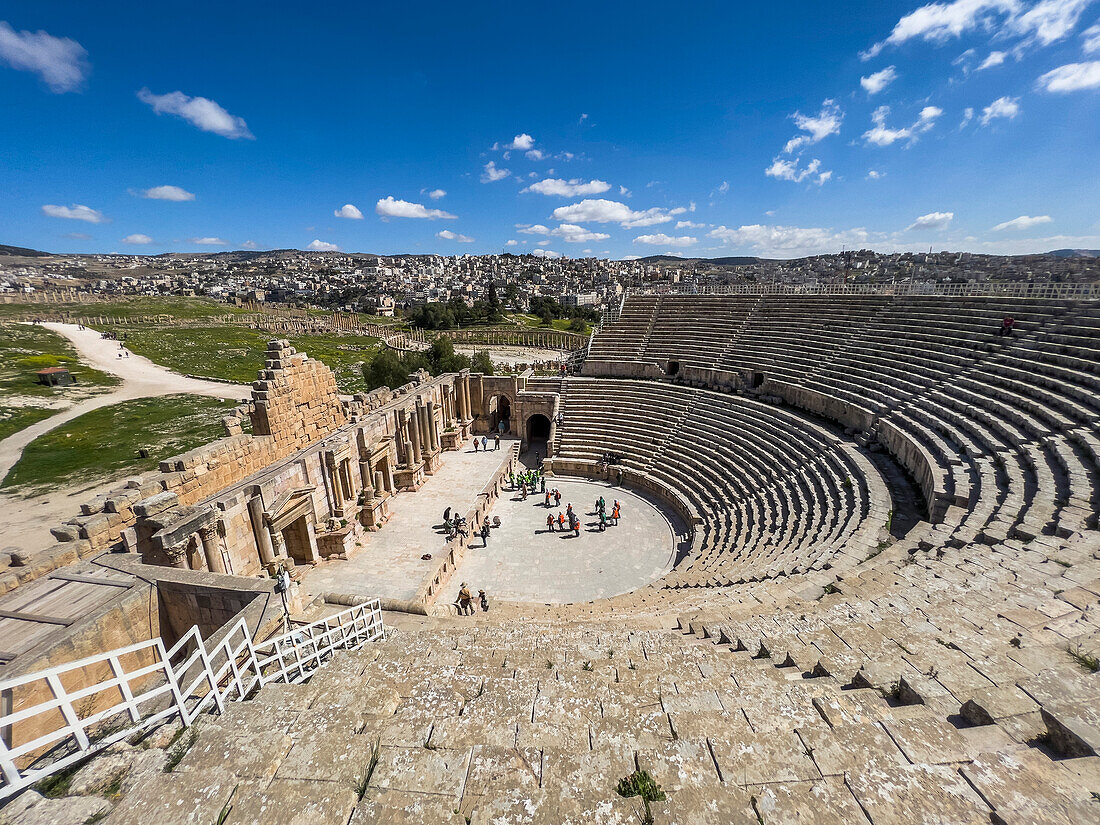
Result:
pixel 526 562
pixel 389 565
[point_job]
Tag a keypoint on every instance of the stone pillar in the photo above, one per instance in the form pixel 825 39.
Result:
pixel 379 481
pixel 423 427
pixel 466 409
pixel 414 437
pixel 433 426
pixel 208 535
pixel 260 531
pixel 327 480
pixel 390 487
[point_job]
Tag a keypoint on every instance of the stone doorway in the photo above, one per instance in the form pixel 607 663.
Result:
pixel 538 432
pixel 500 410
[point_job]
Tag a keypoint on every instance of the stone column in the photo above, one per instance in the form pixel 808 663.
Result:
pixel 422 426
pixel 260 531
pixel 466 409
pixel 414 437
pixel 208 535
pixel 390 486
pixel 379 481
pixel 433 426
pixel 279 543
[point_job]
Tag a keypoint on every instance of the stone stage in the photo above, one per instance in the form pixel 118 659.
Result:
pixel 525 562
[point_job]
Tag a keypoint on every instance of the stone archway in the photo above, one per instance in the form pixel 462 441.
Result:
pixel 500 410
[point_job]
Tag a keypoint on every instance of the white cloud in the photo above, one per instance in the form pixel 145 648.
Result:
pixel 545 253
pixel 61 63
pixel 318 245
pixel 1048 21
pixel 817 127
pixel 76 212
pixel 600 210
pixel 882 135
pixel 724 188
pixel 207 241
pixel 571 233
pixel 492 173
pixel 1090 39
pixel 624 191
pixel 535 154
pixel 168 193
pixel 782 169
pixel 522 142
pixel 568 188
pixel 137 238
pixel 940 22
pixel 788 241
pixel 200 112
pixel 349 210
pixel 662 239
pixel 512 242
pixel 536 229
pixel 390 207
pixel 933 220
pixel 448 235
pixel 994 59
pixel 1021 223
pixel 547 242
pixel 875 174
pixel 436 194
pixel 1041 24
pixel 875 83
pixel 968 115
pixel 1073 77
pixel 689 225
pixel 78 236
pixel 249 245
pixel 1002 107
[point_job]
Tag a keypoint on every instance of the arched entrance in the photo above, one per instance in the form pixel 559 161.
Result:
pixel 538 432
pixel 500 411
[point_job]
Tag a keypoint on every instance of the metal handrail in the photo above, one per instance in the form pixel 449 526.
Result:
pixel 155 692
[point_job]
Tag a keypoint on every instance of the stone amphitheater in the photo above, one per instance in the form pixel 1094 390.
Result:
pixel 883 605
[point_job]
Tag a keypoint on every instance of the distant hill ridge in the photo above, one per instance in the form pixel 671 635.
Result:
pixel 22 252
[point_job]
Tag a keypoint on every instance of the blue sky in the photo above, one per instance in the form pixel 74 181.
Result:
pixel 609 129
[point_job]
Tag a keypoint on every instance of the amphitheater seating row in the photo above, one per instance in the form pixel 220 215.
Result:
pixel 777 494
pixel 1010 422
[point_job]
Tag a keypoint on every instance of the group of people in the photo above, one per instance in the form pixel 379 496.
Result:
pixel 465 601
pixel 527 481
pixel 483 442
pixel 558 523
pixel 458 526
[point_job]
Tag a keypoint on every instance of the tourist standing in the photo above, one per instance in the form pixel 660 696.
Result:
pixel 465 601
pixel 550 523
pixel 496 441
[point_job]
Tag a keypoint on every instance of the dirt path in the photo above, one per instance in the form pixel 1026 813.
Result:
pixel 141 378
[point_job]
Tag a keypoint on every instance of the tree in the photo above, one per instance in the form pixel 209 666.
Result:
pixel 578 325
pixel 481 362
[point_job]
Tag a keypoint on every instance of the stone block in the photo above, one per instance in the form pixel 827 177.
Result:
pixel 336 758
pixel 296 802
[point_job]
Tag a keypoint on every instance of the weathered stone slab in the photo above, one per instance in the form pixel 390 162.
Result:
pixel 194 797
pixel 828 802
pixel 682 764
pixel 404 808
pixel 222 747
pixel 917 795
pixel 422 770
pixel 849 747
pixel 31 808
pixel 296 802
pixel 775 756
pixel 929 741
pixel 332 758
pixel 722 805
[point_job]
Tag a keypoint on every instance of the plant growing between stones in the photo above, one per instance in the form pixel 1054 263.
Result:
pixel 641 784
pixel 226 808
pixel 375 754
pixel 1085 660
pixel 179 746
pixel 587 665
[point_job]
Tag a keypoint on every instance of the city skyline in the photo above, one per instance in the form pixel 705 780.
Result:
pixel 620 132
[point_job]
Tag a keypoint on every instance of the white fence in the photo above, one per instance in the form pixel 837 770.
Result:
pixel 1006 289
pixel 150 684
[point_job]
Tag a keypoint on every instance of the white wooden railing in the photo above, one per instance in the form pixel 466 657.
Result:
pixel 150 684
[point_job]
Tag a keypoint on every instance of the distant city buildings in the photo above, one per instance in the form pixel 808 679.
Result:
pixel 381 285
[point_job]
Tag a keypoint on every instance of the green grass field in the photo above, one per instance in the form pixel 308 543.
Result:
pixel 562 324
pixel 233 353
pixel 103 444
pixel 25 349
